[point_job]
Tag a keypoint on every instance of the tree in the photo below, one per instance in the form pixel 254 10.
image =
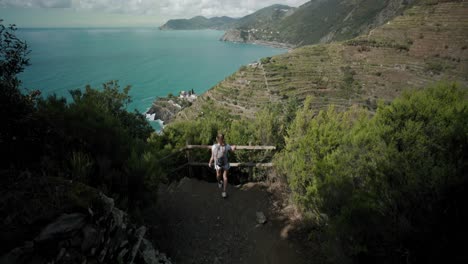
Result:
pixel 15 107
pixel 13 57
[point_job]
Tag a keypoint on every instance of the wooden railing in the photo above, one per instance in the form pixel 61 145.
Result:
pixel 190 162
pixel 237 147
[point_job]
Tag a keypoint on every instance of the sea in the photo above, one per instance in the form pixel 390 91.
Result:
pixel 154 62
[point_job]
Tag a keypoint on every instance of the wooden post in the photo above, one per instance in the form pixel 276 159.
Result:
pixel 189 160
pixel 250 168
pixel 250 173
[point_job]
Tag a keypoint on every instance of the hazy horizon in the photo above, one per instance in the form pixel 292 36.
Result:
pixel 67 18
pixel 122 13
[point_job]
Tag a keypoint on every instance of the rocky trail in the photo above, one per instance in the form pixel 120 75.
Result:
pixel 198 226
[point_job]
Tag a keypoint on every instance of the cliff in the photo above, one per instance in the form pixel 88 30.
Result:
pixel 166 108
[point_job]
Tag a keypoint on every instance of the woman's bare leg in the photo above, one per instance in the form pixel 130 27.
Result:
pixel 225 174
pixel 218 175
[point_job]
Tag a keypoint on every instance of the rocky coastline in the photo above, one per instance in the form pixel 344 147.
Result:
pixel 165 109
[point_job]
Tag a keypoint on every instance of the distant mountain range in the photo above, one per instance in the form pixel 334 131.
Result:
pixel 317 21
pixel 200 22
pixel 263 18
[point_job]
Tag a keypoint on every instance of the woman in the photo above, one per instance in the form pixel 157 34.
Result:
pixel 219 155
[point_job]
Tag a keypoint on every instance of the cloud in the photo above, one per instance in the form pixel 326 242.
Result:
pixel 210 8
pixel 164 8
pixel 37 3
pixel 133 7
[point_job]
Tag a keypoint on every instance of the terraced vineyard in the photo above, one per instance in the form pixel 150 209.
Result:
pixel 428 43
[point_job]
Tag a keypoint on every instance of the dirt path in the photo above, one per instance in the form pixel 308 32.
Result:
pixel 201 227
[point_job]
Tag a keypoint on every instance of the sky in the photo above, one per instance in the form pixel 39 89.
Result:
pixel 122 13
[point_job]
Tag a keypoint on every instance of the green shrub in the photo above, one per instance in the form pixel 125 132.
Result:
pixel 434 67
pixel 80 166
pixel 265 60
pixel 98 135
pixel 393 186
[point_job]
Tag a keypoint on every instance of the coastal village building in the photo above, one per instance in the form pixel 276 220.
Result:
pixel 189 96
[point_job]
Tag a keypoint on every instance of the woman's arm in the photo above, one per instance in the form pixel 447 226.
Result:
pixel 210 163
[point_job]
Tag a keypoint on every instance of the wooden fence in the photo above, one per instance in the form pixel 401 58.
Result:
pixel 191 163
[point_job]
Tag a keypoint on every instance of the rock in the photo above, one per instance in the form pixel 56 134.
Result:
pixel 323 219
pixel 63 225
pixel 72 256
pixel 185 185
pixel 183 181
pixel 120 257
pixel 18 255
pixel 139 233
pixel 123 243
pixel 172 187
pixel 107 204
pixel 118 217
pixel 8 220
pixel 90 238
pixel 216 260
pixel 150 255
pixel 261 218
pixel 234 35
pixel 116 240
pixel 147 252
pixel 60 254
pixel 103 253
pixel 164 109
pixel 101 236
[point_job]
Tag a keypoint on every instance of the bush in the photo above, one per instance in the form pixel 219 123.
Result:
pixel 265 60
pixel 434 67
pixel 393 185
pixel 98 135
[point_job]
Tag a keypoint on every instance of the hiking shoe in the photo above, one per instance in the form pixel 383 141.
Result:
pixel 220 184
pixel 224 194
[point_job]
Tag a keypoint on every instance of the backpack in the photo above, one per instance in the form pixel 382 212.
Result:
pixel 221 161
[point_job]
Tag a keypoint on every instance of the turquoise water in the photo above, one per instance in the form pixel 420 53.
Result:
pixel 154 62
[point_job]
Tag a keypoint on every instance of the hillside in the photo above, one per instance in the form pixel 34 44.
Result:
pixel 260 27
pixel 320 21
pixel 428 43
pixel 199 22
pixel 265 18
